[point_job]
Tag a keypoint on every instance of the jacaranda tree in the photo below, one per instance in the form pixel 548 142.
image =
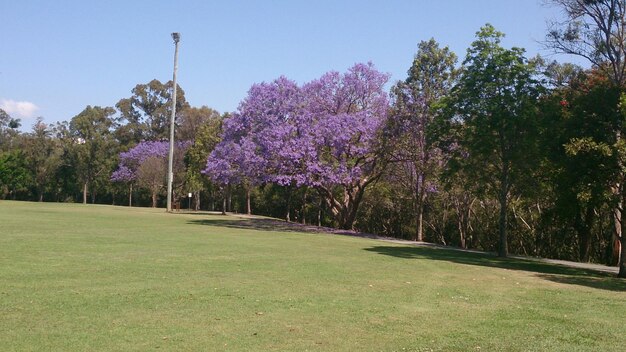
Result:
pixel 259 141
pixel 145 164
pixel 323 134
pixel 347 113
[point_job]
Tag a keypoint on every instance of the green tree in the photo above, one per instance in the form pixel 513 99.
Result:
pixel 93 146
pixel 42 156
pixel 415 152
pixel 146 114
pixel 15 176
pixel 204 127
pixel 191 120
pixel 151 175
pixel 67 187
pixel 8 130
pixel 495 103
pixel 580 164
pixel 596 31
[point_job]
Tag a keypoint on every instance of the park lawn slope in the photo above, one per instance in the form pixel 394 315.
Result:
pixel 104 278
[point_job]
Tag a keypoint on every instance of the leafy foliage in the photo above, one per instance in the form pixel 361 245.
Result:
pixel 412 146
pixel 495 105
pixel 146 114
pixel 15 177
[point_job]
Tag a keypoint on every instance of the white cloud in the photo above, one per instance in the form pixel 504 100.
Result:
pixel 18 109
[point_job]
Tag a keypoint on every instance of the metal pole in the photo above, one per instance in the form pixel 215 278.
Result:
pixel 170 161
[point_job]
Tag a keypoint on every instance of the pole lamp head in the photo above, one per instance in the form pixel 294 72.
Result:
pixel 176 37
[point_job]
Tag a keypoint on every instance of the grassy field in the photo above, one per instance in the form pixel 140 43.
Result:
pixel 102 278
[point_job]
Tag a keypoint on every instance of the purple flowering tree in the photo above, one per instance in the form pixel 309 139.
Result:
pixel 258 143
pixel 346 113
pixel 321 135
pixel 124 174
pixel 145 165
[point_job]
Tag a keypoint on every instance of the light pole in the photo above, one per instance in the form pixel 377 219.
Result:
pixel 170 160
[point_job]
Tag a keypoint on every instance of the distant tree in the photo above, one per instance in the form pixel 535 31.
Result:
pixel 414 108
pixel 15 177
pixel 67 185
pixel 94 146
pixel 191 120
pixel 495 101
pixel 131 169
pixel 42 156
pixel 8 130
pixel 596 31
pixel 348 113
pixel 580 163
pixel 131 160
pixel 125 175
pixel 151 175
pixel 146 114
pixel 259 140
pixel 322 135
pixel 562 75
pixel 205 137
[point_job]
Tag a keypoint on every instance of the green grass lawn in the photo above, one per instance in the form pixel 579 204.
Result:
pixel 102 278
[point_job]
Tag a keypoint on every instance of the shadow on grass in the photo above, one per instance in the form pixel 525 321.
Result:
pixel 273 225
pixel 547 271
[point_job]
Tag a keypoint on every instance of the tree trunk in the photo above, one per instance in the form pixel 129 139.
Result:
pixel 130 195
pixel 224 206
pixel 584 226
pixel 585 246
pixel 613 252
pixel 348 220
pixel 248 207
pixel 622 241
pixel 462 238
pixel 319 212
pixel 85 193
pixel 41 196
pixel 503 248
pixel 344 212
pixel 622 255
pixel 154 199
pixel 302 210
pixel 288 215
pixel 419 216
pixel 230 199
pixel 462 225
pixel 419 236
pixel 350 208
pixel 197 201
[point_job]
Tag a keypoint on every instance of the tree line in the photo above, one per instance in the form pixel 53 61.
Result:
pixel 502 153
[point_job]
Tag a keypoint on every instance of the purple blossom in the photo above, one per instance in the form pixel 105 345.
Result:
pixel 322 134
pixel 133 158
pixel 123 174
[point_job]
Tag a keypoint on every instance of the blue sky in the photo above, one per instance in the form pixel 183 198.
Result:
pixel 60 56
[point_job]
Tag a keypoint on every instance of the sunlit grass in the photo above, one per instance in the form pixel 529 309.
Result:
pixel 101 278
